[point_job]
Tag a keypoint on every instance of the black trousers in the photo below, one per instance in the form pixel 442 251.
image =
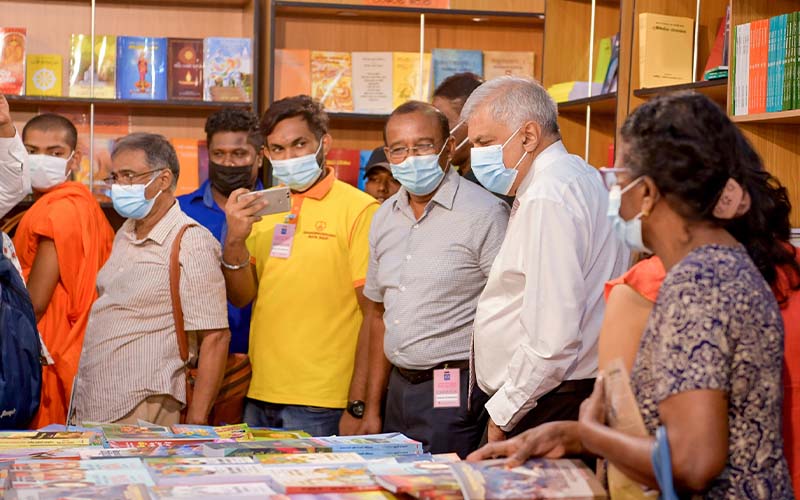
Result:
pixel 562 403
pixel 409 409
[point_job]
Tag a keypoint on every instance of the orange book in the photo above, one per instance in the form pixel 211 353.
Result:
pixel 186 150
pixel 759 50
pixel 12 60
pixel 331 79
pixel 292 73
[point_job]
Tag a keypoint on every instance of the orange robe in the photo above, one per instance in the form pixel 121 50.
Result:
pixel 70 216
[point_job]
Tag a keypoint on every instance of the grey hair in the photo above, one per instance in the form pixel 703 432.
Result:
pixel 513 102
pixel 158 151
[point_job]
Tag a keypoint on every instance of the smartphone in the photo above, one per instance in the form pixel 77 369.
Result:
pixel 278 198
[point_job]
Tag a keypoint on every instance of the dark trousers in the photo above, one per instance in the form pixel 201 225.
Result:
pixel 409 409
pixel 562 403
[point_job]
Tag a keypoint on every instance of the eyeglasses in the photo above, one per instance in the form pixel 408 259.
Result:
pixel 609 175
pixel 400 153
pixel 126 177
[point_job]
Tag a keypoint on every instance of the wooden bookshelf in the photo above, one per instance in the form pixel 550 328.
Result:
pixel 778 118
pixel 714 89
pixel 172 105
pixel 605 104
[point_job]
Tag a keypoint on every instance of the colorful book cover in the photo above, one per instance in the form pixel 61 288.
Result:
pixel 263 434
pixel 717 60
pixel 538 478
pixel 154 452
pixel 502 63
pixel 169 462
pixel 113 492
pixel 141 68
pixel 248 491
pixel 665 50
pixel 372 82
pixel 36 439
pixel 189 475
pixel 406 77
pixel 228 69
pixel 185 69
pixel 345 163
pixel 188 181
pixel 372 446
pixel 43 75
pixel 333 479
pixel 309 458
pixel 105 66
pixel 604 49
pixel 308 445
pixel 292 73
pixel 448 62
pixel 415 478
pixel 75 473
pixel 332 79
pixel 12 60
pixel 612 74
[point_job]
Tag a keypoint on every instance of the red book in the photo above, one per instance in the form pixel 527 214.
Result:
pixel 12 60
pixel 346 164
pixel 759 51
pixel 185 68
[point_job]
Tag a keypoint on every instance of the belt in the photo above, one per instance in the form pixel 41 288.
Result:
pixel 585 385
pixel 420 376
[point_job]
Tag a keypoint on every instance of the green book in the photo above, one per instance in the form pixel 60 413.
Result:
pixel 791 50
pixel 603 60
pixel 796 63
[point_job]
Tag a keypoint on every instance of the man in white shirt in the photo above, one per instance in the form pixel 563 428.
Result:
pixel 539 317
pixel 15 183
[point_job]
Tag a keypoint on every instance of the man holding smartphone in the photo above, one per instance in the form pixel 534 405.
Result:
pixel 305 270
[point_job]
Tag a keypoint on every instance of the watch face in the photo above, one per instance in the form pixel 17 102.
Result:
pixel 356 408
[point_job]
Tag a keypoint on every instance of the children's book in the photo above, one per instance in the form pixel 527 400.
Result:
pixel 190 475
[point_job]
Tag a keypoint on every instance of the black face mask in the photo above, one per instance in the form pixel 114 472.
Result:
pixel 228 179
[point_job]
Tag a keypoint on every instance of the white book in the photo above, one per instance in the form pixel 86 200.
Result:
pixel 372 82
pixel 741 101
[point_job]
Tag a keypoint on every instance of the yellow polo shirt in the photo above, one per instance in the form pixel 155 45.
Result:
pixel 306 317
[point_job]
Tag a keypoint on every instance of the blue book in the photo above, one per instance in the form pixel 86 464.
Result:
pixel 447 62
pixel 364 155
pixel 780 60
pixel 141 68
pixel 772 63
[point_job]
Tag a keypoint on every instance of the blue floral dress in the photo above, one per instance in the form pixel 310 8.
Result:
pixel 716 325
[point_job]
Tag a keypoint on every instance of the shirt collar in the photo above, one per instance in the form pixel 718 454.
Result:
pixel 445 194
pixel 160 231
pixel 322 188
pixel 550 154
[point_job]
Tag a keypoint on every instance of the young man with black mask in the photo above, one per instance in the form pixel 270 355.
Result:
pixel 234 156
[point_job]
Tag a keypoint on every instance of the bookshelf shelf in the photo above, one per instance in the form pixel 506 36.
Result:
pixel 778 118
pixel 714 89
pixel 367 117
pixel 605 104
pixel 125 103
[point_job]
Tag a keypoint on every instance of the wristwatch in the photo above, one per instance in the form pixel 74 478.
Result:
pixel 356 408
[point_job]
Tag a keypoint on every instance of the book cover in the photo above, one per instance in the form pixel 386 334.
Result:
pixel 262 434
pixel 372 82
pixel 43 75
pixel 604 49
pixel 742 76
pixel 717 60
pixel 503 63
pixel 189 475
pixel 228 69
pixel 415 478
pixel 406 77
pixel 37 439
pixel 292 73
pixel 665 50
pixel 169 462
pixel 447 62
pixel 345 163
pixel 105 66
pixel 251 491
pixel 332 80
pixel 537 478
pixel 12 60
pixel 309 458
pixel 612 74
pixel 154 452
pixel 307 445
pixel 75 473
pixel 759 35
pixel 113 492
pixel 188 181
pixel 185 69
pixel 372 446
pixel 333 479
pixel 141 68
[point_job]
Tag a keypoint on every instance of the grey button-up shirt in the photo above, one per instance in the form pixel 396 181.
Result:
pixel 429 273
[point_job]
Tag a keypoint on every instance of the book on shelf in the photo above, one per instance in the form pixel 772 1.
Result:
pixel 43 75
pixel 345 164
pixel 372 82
pixel 186 150
pixel 776 63
pixel 504 63
pixel 604 49
pixel 185 68
pixel 717 63
pixel 141 68
pixel 794 238
pixel 332 80
pixel 741 69
pixel 537 478
pixel 665 50
pixel 312 480
pixel 105 66
pixel 228 69
pixel 13 42
pixel 757 79
pixel 110 492
pixel 239 491
pixel 292 73
pixel 448 62
pixel 612 73
pixel 406 77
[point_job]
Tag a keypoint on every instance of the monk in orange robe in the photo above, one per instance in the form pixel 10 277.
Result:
pixel 62 242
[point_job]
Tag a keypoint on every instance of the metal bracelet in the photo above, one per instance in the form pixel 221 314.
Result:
pixel 234 267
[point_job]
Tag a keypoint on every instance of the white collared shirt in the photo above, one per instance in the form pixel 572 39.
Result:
pixel 539 317
pixel 15 181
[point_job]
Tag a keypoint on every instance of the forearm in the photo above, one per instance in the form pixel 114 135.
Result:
pixel 379 368
pixel 240 284
pixel 210 371
pixel 630 454
pixel 358 384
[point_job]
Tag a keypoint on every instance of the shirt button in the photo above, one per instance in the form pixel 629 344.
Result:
pixel 416 226
pixel 402 288
pixel 408 257
pixel 397 322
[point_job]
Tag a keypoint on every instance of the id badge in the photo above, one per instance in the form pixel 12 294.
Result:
pixel 282 241
pixel 447 388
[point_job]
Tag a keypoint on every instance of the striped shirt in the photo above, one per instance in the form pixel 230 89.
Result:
pixel 130 350
pixel 429 273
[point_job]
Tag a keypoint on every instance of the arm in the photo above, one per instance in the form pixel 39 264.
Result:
pixel 210 370
pixel 44 276
pixel 15 181
pixel 349 425
pixel 493 237
pixel 379 368
pixel 623 324
pixel 241 284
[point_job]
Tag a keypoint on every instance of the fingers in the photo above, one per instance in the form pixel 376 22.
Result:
pixel 492 450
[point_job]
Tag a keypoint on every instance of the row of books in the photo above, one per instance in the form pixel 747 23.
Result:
pixel 130 67
pixel 765 60
pixel 378 82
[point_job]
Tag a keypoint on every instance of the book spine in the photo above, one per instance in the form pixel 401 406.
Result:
pixel 789 64
pixel 754 69
pixel 773 33
pixel 781 62
pixel 796 63
pixel 762 102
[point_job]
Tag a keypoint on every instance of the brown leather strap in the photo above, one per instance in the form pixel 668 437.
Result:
pixel 175 293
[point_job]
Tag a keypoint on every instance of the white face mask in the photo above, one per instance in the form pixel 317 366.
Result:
pixel 47 171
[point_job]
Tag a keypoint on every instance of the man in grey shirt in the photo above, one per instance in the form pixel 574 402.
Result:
pixel 431 248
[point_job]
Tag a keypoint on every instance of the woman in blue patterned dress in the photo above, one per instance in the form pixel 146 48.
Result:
pixel 708 368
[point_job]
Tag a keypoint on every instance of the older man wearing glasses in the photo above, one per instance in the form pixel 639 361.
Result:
pixel 432 245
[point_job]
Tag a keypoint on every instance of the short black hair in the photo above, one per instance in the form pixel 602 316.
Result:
pixel 157 149
pixel 235 120
pixel 420 107
pixel 52 121
pixel 458 87
pixel 304 106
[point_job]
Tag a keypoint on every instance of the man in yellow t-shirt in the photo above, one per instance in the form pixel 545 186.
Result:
pixel 304 272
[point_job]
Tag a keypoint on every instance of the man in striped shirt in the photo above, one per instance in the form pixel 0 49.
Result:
pixel 130 367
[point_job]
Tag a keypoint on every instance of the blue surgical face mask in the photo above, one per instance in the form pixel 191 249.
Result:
pixel 629 231
pixel 487 164
pixel 130 201
pixel 420 175
pixel 298 173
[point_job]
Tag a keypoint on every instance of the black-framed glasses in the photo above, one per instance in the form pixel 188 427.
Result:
pixel 126 177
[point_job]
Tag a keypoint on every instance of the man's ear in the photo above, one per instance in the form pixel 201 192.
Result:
pixel 327 144
pixel 74 163
pixel 532 134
